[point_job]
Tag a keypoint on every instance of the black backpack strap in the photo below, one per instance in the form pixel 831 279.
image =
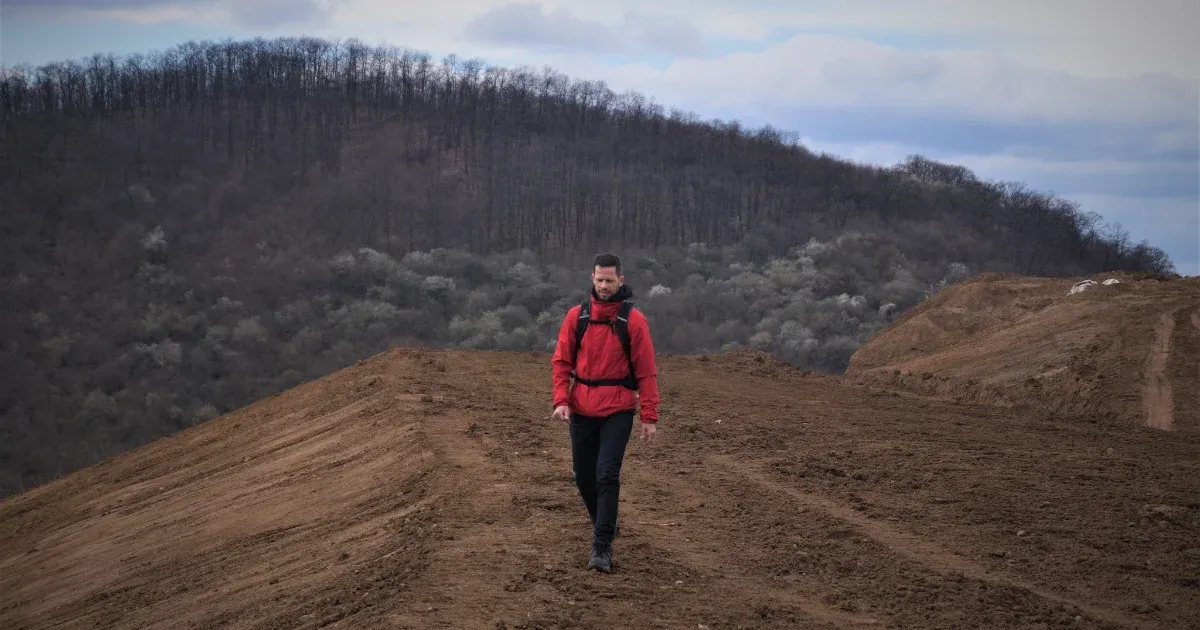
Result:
pixel 621 327
pixel 585 316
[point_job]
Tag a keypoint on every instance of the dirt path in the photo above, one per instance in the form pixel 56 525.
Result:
pixel 912 547
pixel 423 490
pixel 1196 324
pixel 1156 395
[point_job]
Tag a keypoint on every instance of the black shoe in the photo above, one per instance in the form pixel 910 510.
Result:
pixel 601 558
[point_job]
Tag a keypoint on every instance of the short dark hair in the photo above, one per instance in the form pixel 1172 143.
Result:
pixel 608 260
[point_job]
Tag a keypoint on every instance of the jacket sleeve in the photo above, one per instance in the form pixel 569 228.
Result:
pixel 644 363
pixel 564 357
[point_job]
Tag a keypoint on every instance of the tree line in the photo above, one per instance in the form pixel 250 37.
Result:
pixel 461 154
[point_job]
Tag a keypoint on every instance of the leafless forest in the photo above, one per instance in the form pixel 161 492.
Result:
pixel 188 231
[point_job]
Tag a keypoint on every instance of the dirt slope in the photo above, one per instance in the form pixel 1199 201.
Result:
pixel 425 489
pixel 1126 353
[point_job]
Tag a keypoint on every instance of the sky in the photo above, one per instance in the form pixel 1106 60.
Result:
pixel 1097 101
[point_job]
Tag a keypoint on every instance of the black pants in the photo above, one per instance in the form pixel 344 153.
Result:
pixel 597 451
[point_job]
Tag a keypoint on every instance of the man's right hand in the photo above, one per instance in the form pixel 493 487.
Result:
pixel 562 412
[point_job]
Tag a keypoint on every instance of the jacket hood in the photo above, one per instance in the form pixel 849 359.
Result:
pixel 622 294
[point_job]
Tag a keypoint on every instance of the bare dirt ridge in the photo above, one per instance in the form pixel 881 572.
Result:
pixel 431 489
pixel 1121 353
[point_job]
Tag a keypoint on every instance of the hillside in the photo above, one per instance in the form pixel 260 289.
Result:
pixel 428 488
pixel 188 231
pixel 1111 352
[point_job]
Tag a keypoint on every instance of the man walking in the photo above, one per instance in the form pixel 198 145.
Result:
pixel 604 346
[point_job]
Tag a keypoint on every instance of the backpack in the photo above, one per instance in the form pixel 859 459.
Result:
pixel 621 326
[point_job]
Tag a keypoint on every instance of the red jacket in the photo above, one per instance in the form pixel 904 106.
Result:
pixel 603 358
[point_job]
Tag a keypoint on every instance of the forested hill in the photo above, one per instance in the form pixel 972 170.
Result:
pixel 188 231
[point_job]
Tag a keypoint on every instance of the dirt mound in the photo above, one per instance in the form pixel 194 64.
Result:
pixel 426 489
pixel 1124 352
pixel 756 363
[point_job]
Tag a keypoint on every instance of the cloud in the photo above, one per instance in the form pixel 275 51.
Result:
pixel 1169 223
pixel 1095 38
pixel 1068 176
pixel 269 13
pixel 140 12
pixel 963 133
pixel 254 14
pixel 526 25
pixel 833 71
pixel 29 6
pixel 1091 38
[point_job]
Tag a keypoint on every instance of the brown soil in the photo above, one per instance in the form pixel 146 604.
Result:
pixel 425 489
pixel 1124 353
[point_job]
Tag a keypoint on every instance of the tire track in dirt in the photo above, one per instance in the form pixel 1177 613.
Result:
pixel 241 524
pixel 660 580
pixel 914 548
pixel 702 546
pixel 473 531
pixel 1196 324
pixel 503 553
pixel 1156 393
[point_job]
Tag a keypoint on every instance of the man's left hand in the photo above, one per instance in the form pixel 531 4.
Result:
pixel 647 430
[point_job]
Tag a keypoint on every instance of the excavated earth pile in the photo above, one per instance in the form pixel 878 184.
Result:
pixel 431 489
pixel 1126 353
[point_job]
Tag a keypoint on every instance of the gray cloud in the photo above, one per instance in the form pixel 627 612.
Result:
pixel 1110 159
pixel 964 133
pixel 664 35
pixel 89 4
pixel 525 24
pixel 846 72
pixel 251 13
pixel 267 13
pixel 15 7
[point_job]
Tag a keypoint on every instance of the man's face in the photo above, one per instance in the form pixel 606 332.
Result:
pixel 606 281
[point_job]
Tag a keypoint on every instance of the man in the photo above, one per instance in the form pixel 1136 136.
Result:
pixel 601 402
